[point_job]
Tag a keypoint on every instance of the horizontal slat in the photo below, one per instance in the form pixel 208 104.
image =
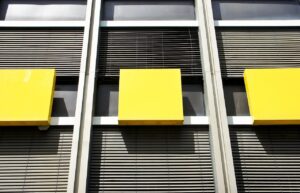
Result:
pixel 42 48
pixel 150 159
pixel 149 48
pixel 241 48
pixel 34 161
pixel 267 159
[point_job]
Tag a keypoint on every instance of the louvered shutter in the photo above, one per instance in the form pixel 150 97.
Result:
pixel 142 159
pixel 241 48
pixel 33 160
pixel 149 48
pixel 42 48
pixel 267 159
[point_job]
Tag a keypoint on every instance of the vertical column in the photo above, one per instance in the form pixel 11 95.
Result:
pixel 223 168
pixel 84 114
pixel 79 102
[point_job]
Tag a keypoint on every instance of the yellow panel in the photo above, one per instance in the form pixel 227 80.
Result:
pixel 26 97
pixel 273 95
pixel 150 97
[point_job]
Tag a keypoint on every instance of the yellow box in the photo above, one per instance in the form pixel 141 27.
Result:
pixel 150 97
pixel 26 97
pixel 273 95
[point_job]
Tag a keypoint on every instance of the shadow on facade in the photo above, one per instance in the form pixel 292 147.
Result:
pixel 122 156
pixel 30 141
pixel 151 140
pixel 273 146
pixel 64 101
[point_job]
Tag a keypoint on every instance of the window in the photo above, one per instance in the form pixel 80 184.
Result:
pixel 35 10
pixel 133 48
pixel 256 9
pixel 148 10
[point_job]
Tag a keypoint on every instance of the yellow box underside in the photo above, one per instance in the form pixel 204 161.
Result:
pixel 273 95
pixel 26 97
pixel 150 97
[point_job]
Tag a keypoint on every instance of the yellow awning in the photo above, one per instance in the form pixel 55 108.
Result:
pixel 273 95
pixel 150 97
pixel 26 97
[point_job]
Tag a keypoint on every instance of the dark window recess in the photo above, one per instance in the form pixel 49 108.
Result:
pixel 36 10
pixel 107 100
pixel 154 159
pixel 242 48
pixel 256 9
pixel 148 10
pixel 236 98
pixel 57 48
pixel 266 158
pixel 149 48
pixel 193 100
pixel 64 101
pixel 35 161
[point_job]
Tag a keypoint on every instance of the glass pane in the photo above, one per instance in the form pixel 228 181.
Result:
pixel 35 10
pixel 148 10
pixel 256 9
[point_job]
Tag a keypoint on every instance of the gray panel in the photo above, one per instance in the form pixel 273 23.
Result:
pixel 150 159
pixel 107 100
pixel 236 98
pixel 266 158
pixel 256 9
pixel 36 10
pixel 34 161
pixel 64 101
pixel 241 48
pixel 148 10
pixel 57 48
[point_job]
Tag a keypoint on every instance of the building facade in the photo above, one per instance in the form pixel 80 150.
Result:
pixel 212 42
